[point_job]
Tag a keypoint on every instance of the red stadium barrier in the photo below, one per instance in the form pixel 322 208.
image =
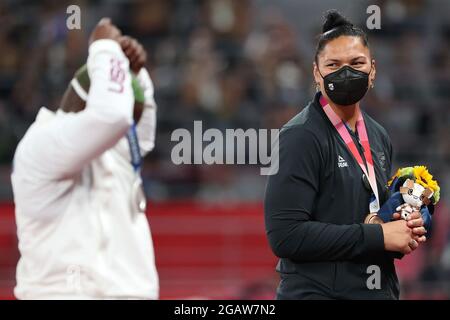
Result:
pixel 202 250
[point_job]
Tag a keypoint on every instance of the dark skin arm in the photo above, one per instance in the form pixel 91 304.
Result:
pixel 132 49
pixel 135 53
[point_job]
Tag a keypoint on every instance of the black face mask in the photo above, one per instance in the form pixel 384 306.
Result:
pixel 346 86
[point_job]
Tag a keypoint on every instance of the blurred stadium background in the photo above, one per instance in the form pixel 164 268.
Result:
pixel 233 64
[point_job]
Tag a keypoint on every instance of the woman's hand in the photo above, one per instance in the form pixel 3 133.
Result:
pixel 415 222
pixel 134 51
pixel 398 237
pixel 105 30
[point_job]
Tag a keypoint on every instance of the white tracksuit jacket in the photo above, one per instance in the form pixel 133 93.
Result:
pixel 72 180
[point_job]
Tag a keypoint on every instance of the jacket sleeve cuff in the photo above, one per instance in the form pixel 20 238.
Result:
pixel 373 237
pixel 107 45
pixel 397 255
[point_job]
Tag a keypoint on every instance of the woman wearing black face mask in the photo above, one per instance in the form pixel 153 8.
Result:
pixel 334 163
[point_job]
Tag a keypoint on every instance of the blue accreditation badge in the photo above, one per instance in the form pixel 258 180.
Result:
pixel 373 204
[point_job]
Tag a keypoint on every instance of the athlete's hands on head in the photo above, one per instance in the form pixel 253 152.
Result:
pixel 105 30
pixel 134 51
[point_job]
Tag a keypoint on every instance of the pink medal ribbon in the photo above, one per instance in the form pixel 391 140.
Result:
pixel 374 206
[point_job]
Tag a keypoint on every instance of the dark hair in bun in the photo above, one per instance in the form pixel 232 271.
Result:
pixel 336 25
pixel 333 19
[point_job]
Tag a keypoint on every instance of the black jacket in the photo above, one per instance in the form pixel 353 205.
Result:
pixel 315 207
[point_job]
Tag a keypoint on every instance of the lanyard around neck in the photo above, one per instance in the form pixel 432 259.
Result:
pixel 364 140
pixel 135 152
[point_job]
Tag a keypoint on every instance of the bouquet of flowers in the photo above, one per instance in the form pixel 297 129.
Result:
pixel 412 189
pixel 417 187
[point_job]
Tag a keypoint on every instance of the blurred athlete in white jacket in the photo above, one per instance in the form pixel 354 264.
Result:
pixel 79 202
